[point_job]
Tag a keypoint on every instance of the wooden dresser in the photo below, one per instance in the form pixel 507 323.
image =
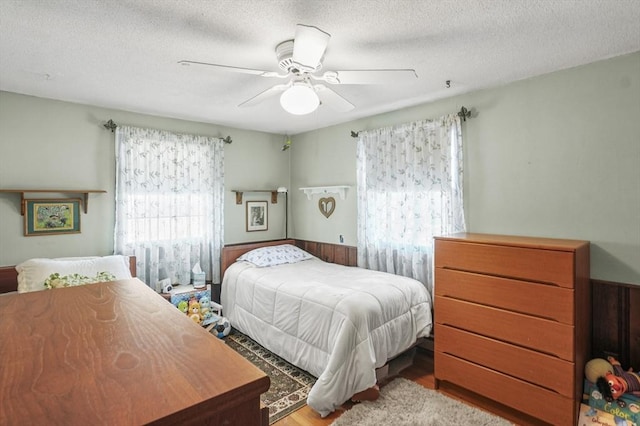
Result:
pixel 117 353
pixel 512 321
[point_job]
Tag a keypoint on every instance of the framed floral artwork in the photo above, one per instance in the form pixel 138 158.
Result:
pixel 51 217
pixel 257 218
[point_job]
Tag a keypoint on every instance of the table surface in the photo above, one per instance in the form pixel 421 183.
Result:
pixel 112 353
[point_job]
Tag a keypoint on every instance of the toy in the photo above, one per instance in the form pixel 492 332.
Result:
pixel 205 311
pixel 597 367
pixel 205 305
pixel 183 306
pixel 222 328
pixel 205 302
pixel 208 318
pixel 626 406
pixel 188 301
pixel 613 385
pixel 194 310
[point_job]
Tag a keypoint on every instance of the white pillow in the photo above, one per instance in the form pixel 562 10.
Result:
pixel 275 255
pixel 33 272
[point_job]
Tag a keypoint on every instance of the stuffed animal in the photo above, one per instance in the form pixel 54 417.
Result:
pixel 597 367
pixel 205 305
pixel 204 302
pixel 613 385
pixel 208 318
pixel 194 311
pixel 183 306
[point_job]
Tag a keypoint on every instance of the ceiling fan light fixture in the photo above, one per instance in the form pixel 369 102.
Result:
pixel 299 99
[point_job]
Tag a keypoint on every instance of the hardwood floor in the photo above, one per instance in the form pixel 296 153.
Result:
pixel 420 372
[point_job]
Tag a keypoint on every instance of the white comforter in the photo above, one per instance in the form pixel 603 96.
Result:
pixel 338 323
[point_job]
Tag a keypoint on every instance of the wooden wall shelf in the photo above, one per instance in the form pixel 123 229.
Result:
pixel 239 192
pixel 84 192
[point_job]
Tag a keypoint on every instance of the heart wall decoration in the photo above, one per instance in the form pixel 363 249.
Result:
pixel 327 206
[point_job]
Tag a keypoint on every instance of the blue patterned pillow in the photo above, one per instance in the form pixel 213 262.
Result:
pixel 275 255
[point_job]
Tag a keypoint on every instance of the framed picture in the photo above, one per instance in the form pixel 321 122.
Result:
pixel 51 217
pixel 257 219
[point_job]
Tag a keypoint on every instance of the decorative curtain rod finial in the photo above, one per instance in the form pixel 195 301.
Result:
pixel 464 114
pixel 110 125
pixel 227 139
pixel 354 134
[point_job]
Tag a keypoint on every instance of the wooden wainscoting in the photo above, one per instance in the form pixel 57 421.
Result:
pixel 615 322
pixel 334 253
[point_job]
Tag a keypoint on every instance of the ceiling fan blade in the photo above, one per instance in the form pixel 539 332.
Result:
pixel 309 46
pixel 368 76
pixel 332 99
pixel 260 97
pixel 261 73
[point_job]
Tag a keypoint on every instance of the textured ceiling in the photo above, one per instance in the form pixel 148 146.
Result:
pixel 124 54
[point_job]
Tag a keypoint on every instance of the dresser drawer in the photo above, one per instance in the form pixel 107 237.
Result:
pixel 540 300
pixel 550 266
pixel 547 371
pixel 542 335
pixel 528 398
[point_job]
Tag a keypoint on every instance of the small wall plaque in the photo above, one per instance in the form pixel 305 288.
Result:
pixel 327 206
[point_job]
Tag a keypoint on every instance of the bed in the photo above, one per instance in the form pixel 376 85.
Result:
pixel 33 272
pixel 339 323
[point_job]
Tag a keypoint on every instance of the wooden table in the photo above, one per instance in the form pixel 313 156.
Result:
pixel 118 354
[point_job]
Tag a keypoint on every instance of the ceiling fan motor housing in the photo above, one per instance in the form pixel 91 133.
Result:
pixel 284 53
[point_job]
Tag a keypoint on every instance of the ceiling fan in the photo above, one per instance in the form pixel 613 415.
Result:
pixel 300 60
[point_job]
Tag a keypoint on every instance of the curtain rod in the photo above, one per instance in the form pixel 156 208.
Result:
pixel 464 113
pixel 110 125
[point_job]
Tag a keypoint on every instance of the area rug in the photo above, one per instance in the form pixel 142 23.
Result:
pixel 403 402
pixel 289 384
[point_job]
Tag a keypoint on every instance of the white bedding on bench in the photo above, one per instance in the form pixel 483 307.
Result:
pixel 33 272
pixel 338 323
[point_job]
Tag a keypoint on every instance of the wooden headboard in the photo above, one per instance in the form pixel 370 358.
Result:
pixel 9 276
pixel 233 251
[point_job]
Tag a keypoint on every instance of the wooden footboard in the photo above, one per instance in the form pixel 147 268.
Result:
pixel 9 276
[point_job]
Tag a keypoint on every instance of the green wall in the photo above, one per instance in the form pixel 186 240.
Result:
pixel 47 144
pixel 553 156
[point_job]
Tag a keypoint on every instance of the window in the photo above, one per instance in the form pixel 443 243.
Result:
pixel 169 203
pixel 409 190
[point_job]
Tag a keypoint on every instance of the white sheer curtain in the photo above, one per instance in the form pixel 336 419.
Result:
pixel 409 190
pixel 169 203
